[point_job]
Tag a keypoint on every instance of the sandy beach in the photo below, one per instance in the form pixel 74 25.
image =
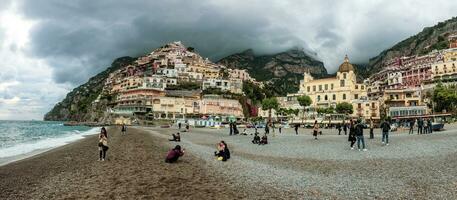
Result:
pixel 135 169
pixel 291 167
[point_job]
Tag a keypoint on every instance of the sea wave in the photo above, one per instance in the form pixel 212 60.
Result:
pixel 45 143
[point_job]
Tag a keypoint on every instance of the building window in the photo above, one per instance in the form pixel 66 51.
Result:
pixel 363 87
pixel 308 88
pixel 356 96
pixel 356 87
pixel 320 87
pixel 341 83
pixel 331 86
pixel 344 96
pixel 325 97
pixel 326 87
pixel 334 97
pixel 359 105
pixel 314 88
pixel 318 97
pixel 344 75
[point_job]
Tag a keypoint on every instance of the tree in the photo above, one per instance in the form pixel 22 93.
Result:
pixel 345 108
pixel 269 104
pixel 445 98
pixel 304 101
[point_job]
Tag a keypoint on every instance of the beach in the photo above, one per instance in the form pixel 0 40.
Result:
pixel 135 169
pixel 290 167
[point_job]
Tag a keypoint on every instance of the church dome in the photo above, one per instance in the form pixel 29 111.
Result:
pixel 346 66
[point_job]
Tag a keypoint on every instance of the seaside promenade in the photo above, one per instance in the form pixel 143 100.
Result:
pixel 290 167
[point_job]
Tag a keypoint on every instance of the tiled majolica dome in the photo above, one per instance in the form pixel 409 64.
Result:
pixel 346 66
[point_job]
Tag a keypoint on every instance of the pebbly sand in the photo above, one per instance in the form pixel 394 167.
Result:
pixel 291 167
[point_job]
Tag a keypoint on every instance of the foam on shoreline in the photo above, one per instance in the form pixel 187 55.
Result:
pixel 25 150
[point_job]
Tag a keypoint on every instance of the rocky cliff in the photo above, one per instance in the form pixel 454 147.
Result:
pixel 282 70
pixel 79 105
pixel 428 39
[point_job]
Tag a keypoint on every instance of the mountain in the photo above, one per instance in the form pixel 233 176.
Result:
pixel 428 39
pixel 79 104
pixel 283 71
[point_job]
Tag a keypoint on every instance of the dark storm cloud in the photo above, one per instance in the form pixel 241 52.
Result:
pixel 81 38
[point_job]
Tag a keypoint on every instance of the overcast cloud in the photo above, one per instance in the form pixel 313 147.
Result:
pixel 56 45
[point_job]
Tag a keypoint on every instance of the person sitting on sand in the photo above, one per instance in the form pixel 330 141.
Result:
pixel 256 139
pixel 176 138
pixel 102 147
pixel 264 140
pixel 223 152
pixel 174 154
pixel 244 132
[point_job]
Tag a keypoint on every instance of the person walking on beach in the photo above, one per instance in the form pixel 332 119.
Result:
pixel 280 128
pixel 345 128
pixel 296 128
pixel 179 125
pixel 371 128
pixel 385 127
pixel 338 126
pixel 411 126
pixel 231 128
pixel 174 154
pixel 425 129
pixel 430 126
pixel 102 147
pixel 123 129
pixel 315 129
pixel 420 125
pixel 359 135
pixel 352 137
pixel 267 129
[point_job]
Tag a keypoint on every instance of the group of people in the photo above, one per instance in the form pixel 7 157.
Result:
pixel 356 133
pixel 423 126
pixel 258 140
pixel 223 152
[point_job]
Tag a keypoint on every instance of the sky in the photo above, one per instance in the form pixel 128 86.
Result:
pixel 48 47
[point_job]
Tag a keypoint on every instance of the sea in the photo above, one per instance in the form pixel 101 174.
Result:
pixel 19 138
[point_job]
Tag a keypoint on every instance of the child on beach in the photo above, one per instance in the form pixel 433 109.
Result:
pixel 176 138
pixel 102 147
pixel 174 154
pixel 223 152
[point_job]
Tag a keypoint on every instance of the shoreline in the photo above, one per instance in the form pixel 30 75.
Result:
pixel 55 143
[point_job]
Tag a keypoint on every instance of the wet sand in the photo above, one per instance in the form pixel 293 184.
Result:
pixel 135 169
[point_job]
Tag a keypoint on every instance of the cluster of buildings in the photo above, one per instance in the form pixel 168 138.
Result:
pixel 401 90
pixel 154 86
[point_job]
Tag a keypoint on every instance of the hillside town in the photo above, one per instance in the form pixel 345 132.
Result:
pixel 175 83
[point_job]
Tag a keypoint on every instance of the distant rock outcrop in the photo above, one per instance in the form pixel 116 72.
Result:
pixel 282 70
pixel 80 104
